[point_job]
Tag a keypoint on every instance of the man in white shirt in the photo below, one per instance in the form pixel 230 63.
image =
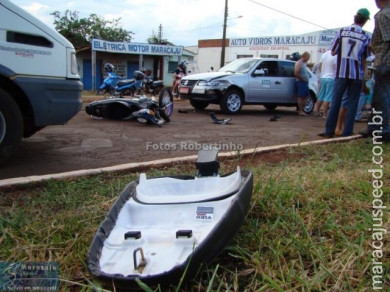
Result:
pixel 327 67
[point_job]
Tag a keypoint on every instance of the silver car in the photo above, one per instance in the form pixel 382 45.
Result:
pixel 269 82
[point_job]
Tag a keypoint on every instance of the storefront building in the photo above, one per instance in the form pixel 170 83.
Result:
pixel 160 60
pixel 281 47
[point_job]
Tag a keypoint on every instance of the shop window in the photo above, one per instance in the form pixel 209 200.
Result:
pixel 244 56
pixel 269 56
pixel 172 66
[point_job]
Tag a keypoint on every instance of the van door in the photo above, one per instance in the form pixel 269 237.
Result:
pixel 267 87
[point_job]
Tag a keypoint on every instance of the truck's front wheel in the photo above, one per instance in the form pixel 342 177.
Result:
pixel 11 126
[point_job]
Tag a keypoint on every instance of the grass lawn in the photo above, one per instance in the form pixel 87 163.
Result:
pixel 313 221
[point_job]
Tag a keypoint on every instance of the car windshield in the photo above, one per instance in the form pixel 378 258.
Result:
pixel 238 66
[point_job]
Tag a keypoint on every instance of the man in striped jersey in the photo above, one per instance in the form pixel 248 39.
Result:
pixel 351 48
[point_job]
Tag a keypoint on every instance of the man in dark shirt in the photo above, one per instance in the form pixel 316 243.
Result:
pixel 378 124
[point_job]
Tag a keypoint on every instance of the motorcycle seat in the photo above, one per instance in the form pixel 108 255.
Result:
pixel 125 82
pixel 157 82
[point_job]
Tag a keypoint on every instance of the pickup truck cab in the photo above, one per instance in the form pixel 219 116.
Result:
pixel 268 82
pixel 39 81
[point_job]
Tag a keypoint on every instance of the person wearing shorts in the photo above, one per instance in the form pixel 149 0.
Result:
pixel 328 68
pixel 302 81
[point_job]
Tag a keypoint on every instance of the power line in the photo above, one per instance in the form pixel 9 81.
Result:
pixel 279 11
pixel 199 28
pixel 212 26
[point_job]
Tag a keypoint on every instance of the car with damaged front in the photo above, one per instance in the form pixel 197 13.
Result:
pixel 262 81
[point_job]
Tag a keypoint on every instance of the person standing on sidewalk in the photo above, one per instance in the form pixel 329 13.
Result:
pixel 328 69
pixel 351 48
pixel 302 81
pixel 379 119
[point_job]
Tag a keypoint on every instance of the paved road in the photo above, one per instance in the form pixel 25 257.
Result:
pixel 86 143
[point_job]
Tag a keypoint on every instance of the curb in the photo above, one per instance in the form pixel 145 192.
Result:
pixel 160 162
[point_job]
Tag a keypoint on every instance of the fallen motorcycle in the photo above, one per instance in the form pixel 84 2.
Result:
pixel 142 108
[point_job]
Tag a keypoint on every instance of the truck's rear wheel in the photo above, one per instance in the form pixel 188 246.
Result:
pixel 11 126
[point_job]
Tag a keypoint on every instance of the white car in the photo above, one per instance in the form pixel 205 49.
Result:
pixel 269 82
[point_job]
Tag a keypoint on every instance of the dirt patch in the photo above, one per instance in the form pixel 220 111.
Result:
pixel 87 143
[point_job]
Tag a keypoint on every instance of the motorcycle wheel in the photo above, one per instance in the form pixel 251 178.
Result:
pixel 165 103
pixel 127 92
pixel 157 90
pixel 101 92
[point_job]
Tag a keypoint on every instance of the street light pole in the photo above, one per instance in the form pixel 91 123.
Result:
pixel 224 34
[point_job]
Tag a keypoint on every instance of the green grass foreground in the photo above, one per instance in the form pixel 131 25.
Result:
pixel 310 226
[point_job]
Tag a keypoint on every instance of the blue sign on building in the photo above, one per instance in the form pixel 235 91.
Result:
pixel 136 48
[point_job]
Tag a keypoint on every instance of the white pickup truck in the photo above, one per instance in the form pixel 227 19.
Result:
pixel 39 81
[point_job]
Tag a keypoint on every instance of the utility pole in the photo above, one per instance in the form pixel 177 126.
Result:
pixel 160 33
pixel 224 34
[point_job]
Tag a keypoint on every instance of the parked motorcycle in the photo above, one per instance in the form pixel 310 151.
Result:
pixel 140 84
pixel 180 72
pixel 109 83
pixel 130 87
pixel 151 86
pixel 142 108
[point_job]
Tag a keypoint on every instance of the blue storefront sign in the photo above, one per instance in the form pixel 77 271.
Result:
pixel 136 48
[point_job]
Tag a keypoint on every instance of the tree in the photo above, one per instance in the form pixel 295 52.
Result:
pixel 80 31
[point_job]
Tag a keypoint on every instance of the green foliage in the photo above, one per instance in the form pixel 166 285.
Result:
pixel 155 39
pixel 158 38
pixel 80 31
pixel 307 229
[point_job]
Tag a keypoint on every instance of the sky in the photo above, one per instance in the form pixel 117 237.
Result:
pixel 184 22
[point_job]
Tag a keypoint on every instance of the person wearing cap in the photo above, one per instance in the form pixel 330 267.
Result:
pixel 378 123
pixel 351 46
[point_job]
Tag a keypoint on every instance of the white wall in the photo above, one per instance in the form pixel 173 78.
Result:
pixel 316 43
pixel 209 57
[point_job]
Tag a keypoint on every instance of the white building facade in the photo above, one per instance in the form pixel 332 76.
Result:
pixel 281 47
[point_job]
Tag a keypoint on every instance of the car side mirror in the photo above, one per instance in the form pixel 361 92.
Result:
pixel 260 72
